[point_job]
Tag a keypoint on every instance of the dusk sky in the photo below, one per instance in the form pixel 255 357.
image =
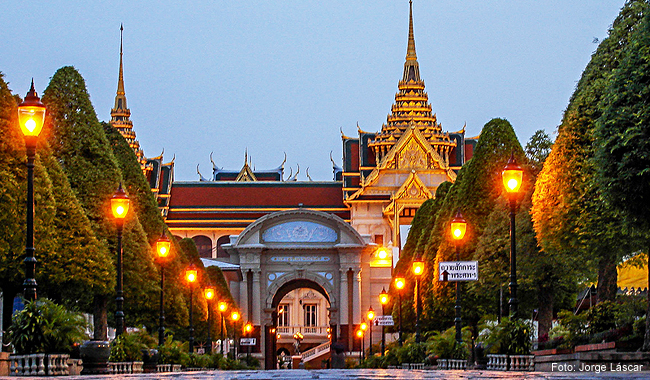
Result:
pixel 278 76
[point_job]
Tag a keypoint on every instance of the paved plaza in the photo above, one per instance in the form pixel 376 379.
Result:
pixel 365 374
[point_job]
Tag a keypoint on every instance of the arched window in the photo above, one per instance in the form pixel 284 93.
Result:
pixel 221 241
pixel 203 245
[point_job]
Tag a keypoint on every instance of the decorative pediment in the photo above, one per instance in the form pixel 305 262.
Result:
pixel 413 188
pixel 246 175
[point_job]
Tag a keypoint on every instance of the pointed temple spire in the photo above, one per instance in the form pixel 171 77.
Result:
pixel 411 67
pixel 121 115
pixel 411 107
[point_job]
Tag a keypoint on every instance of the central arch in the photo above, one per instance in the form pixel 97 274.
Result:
pixel 303 254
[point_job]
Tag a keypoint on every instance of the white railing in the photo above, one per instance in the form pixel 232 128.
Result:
pixel 522 362
pixel 287 332
pixel 497 362
pixel 316 351
pixel 39 365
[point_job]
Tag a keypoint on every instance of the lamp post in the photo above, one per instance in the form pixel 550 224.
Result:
pixel 458 229
pixel 223 307
pixel 191 275
pixel 209 293
pixel 31 115
pixel 383 300
pixel 248 328
pixel 119 206
pixel 360 336
pixel 363 327
pixel 400 282
pixel 298 337
pixel 418 270
pixel 234 317
pixel 512 178
pixel 371 318
pixel 163 245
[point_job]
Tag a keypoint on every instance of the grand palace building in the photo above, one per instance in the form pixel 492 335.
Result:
pixel 304 256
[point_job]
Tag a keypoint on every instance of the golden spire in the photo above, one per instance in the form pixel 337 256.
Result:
pixel 121 115
pixel 411 67
pixel 120 80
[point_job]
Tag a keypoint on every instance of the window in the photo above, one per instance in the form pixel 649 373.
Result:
pixel 203 245
pixel 283 315
pixel 310 315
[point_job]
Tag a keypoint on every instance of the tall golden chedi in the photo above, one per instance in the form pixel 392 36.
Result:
pixel 121 114
pixel 411 109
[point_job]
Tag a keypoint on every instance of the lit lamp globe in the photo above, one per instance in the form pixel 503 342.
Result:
pixel 223 306
pixel 248 327
pixel 512 176
pixel 383 297
pixel 418 266
pixel 191 274
pixel 400 282
pixel 458 226
pixel 120 204
pixel 209 293
pixel 359 334
pixel 163 246
pixel 234 316
pixel 370 314
pixel 31 116
pixel 382 253
pixel 363 326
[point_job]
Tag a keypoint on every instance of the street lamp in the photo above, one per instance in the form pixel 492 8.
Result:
pixel 120 207
pixel 191 276
pixel 512 176
pixel 458 229
pixel 209 293
pixel 371 318
pixel 400 282
pixel 223 307
pixel 234 317
pixel 363 327
pixel 418 270
pixel 360 336
pixel 163 245
pixel 298 337
pixel 383 300
pixel 31 115
pixel 248 328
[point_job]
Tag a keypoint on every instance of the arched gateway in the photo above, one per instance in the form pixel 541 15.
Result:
pixel 306 250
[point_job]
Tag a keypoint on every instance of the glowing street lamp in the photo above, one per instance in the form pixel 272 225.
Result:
pixel 223 307
pixel 360 333
pixel 234 317
pixel 400 282
pixel 418 270
pixel 163 245
pixel 458 229
pixel 209 294
pixel 191 276
pixel 371 318
pixel 512 176
pixel 383 300
pixel 31 115
pixel 120 207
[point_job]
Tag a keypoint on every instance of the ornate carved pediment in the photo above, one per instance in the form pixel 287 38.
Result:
pixel 412 156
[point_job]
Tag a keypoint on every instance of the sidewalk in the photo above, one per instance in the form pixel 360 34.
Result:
pixel 361 374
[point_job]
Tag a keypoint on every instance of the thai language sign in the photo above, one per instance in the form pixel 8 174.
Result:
pixel 458 271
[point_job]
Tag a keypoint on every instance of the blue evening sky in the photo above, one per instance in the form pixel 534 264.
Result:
pixel 280 76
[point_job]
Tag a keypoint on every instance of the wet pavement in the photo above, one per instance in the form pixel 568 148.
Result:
pixel 364 374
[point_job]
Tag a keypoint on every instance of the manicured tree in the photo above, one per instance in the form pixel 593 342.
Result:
pixel 13 180
pixel 80 146
pixel 568 213
pixel 623 141
pixel 76 266
pixel 537 150
pixel 144 206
